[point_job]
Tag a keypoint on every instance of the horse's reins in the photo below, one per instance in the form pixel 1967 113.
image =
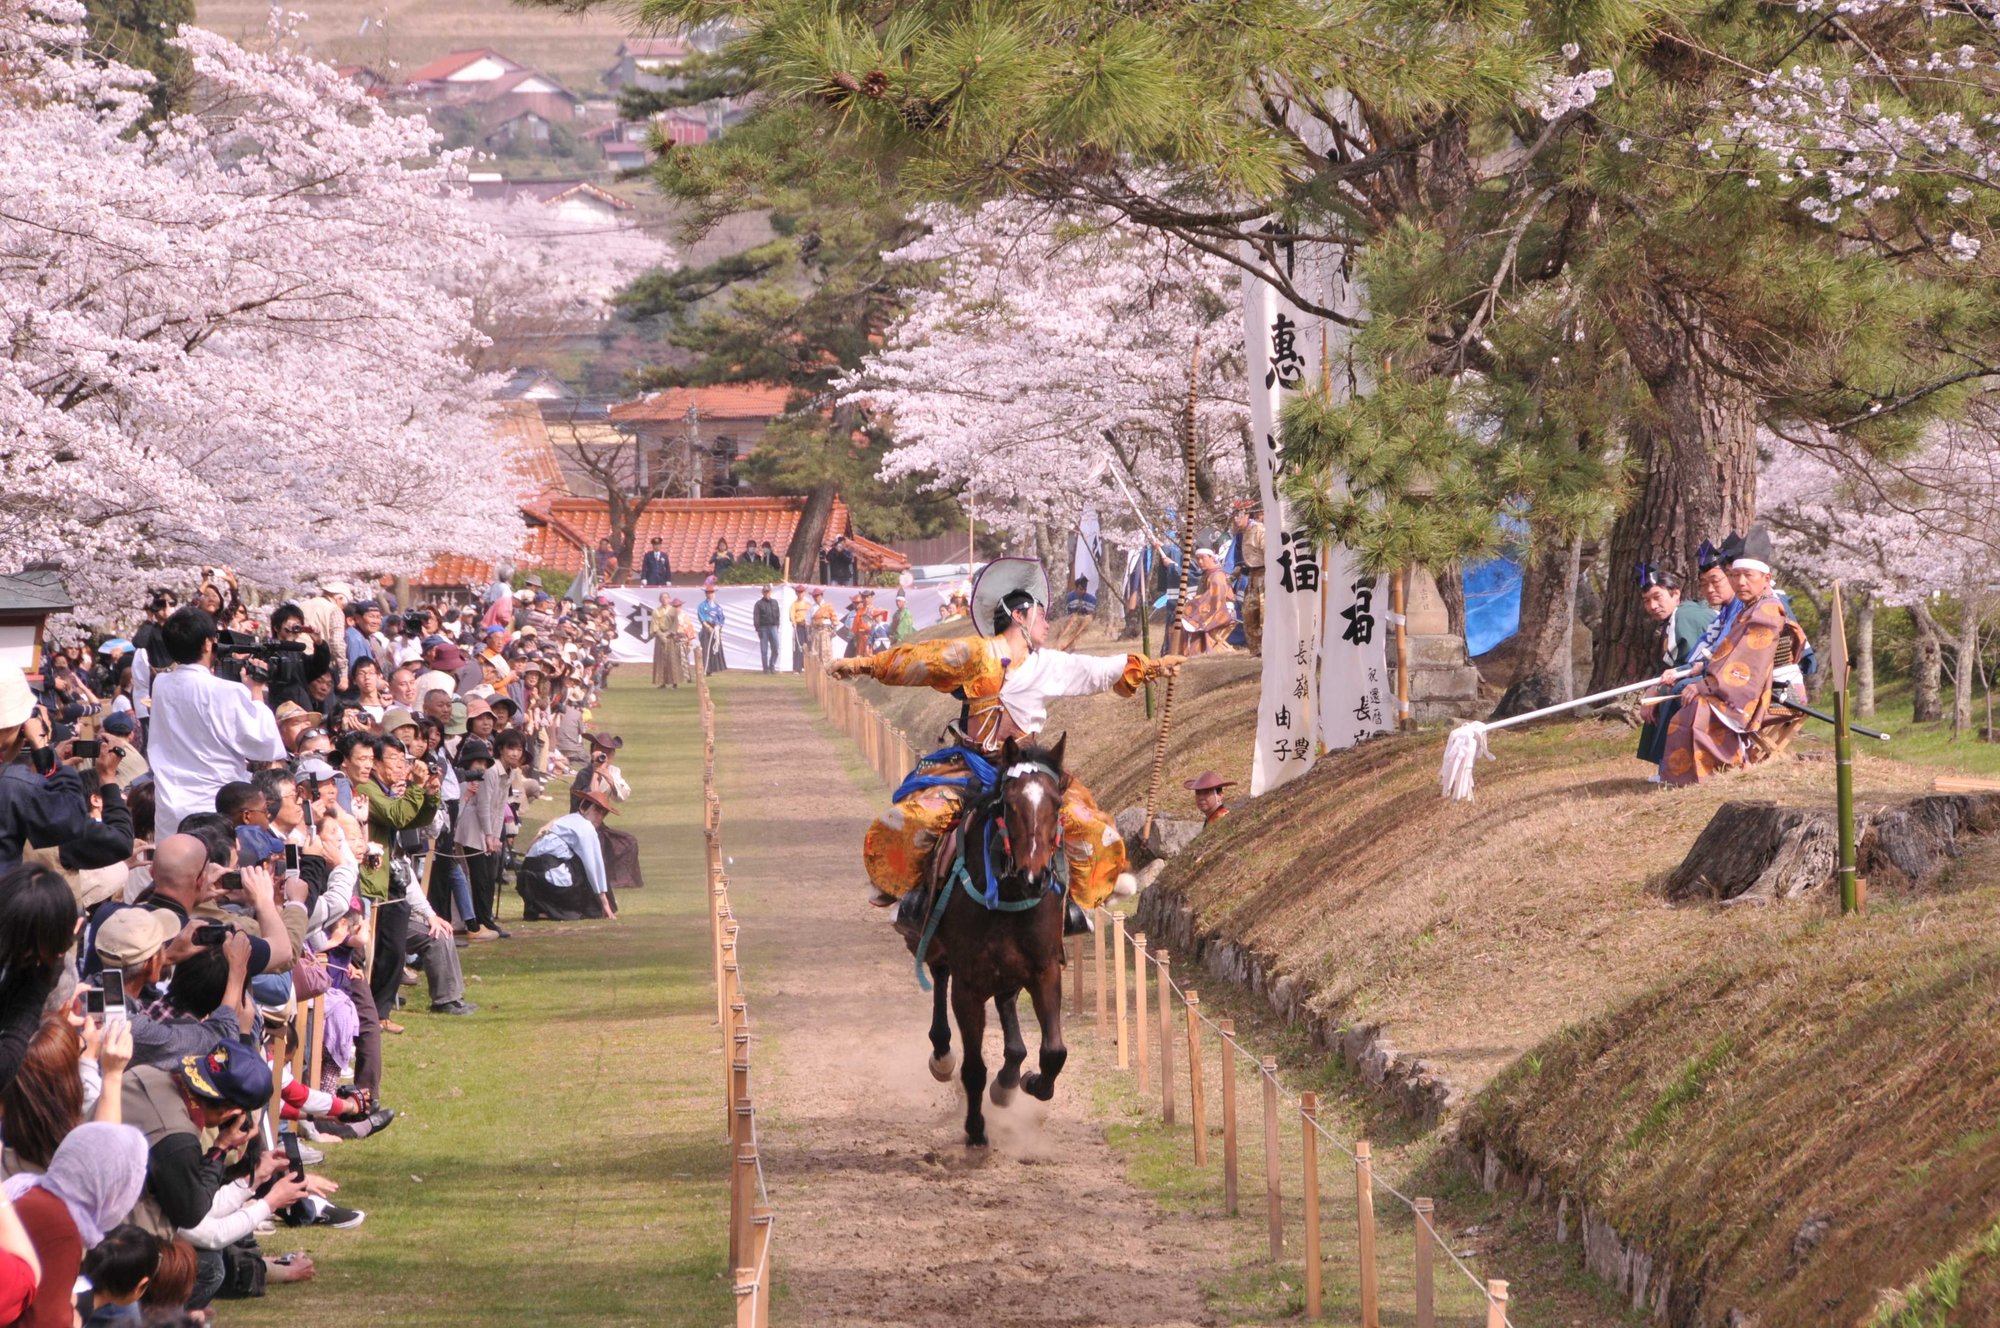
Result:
pixel 989 898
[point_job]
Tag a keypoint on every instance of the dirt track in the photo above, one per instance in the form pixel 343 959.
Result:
pixel 886 1218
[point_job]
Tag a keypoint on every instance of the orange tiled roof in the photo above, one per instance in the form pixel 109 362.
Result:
pixel 520 425
pixel 725 401
pixel 687 528
pixel 446 65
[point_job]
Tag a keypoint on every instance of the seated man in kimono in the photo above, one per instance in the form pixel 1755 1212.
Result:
pixel 1210 616
pixel 1726 702
pixel 563 876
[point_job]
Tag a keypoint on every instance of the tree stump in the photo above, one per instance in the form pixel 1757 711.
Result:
pixel 1757 851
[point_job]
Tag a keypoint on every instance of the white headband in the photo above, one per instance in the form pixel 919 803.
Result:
pixel 1750 565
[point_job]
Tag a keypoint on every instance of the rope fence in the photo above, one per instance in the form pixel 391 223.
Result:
pixel 1152 1044
pixel 751 1218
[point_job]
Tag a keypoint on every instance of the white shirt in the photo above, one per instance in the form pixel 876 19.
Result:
pixel 1047 674
pixel 205 732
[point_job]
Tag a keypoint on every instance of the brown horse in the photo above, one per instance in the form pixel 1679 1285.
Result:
pixel 1001 884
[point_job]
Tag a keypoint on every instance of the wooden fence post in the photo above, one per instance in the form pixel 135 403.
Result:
pixel 1496 1304
pixel 1273 1193
pixel 736 1047
pixel 1228 1027
pixel 1421 1267
pixel 760 1259
pixel 1097 968
pixel 1166 1041
pixel 1118 988
pixel 1364 1206
pixel 746 1298
pixel 743 1197
pixel 319 1041
pixel 1197 1108
pixel 1139 1005
pixel 1076 982
pixel 1309 1141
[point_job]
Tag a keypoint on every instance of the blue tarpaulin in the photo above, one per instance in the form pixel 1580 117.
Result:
pixel 1492 603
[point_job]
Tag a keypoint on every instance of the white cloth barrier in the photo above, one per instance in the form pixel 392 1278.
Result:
pixel 634 606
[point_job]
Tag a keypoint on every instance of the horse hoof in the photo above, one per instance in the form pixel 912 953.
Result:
pixel 1125 886
pixel 943 1067
pixel 1038 1087
pixel 1000 1093
pixel 975 1140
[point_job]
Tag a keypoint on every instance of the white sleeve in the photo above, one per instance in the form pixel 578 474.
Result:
pixel 142 679
pixel 233 1215
pixel 257 729
pixel 334 900
pixel 1065 674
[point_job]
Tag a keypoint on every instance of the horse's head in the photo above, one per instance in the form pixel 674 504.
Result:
pixel 1031 787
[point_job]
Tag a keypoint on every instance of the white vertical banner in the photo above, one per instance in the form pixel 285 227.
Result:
pixel 1278 355
pixel 1355 698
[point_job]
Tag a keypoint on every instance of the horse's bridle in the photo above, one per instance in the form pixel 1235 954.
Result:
pixel 1015 771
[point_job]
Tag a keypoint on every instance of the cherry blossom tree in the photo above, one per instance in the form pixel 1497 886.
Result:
pixel 238 336
pixel 1041 369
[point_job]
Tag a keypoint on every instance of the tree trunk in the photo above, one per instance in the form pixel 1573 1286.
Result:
pixel 1925 705
pixel 1967 662
pixel 1863 661
pixel 1696 453
pixel 1545 645
pixel 1451 589
pixel 809 536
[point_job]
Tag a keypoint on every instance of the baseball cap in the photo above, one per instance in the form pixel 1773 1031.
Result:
pixel 16 701
pixel 120 725
pixel 314 768
pixel 131 936
pixel 256 843
pixel 231 1074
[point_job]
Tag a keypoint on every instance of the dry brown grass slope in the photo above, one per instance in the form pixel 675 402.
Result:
pixel 1843 1075
pixel 576 48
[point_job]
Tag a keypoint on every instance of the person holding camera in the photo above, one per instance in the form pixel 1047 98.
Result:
pixel 482 815
pixel 398 799
pixel 205 730
pixel 44 803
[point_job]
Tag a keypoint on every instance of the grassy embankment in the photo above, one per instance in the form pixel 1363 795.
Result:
pixel 1489 936
pixel 558 1153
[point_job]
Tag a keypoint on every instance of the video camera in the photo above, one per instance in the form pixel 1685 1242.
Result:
pixel 273 663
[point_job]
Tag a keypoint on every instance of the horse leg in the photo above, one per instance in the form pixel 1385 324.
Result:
pixel 1046 992
pixel 942 1063
pixel 1008 1007
pixel 971 1012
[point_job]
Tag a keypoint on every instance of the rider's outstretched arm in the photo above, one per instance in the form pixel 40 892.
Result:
pixel 1065 674
pixel 943 664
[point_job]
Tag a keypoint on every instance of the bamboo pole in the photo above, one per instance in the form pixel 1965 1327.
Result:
pixel 1843 762
pixel 1274 1201
pixel 1166 1041
pixel 1139 1006
pixel 1118 988
pixel 1190 498
pixel 1496 1303
pixel 1197 1108
pixel 1228 1027
pixel 1364 1206
pixel 1097 970
pixel 1423 1274
pixel 1309 1140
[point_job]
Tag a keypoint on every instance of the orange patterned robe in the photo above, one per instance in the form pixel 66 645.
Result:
pixel 1004 698
pixel 1711 732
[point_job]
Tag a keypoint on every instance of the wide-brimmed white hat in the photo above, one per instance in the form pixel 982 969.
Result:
pixel 16 701
pixel 1001 578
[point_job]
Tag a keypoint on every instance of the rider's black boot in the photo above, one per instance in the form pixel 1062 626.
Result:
pixel 910 913
pixel 1075 921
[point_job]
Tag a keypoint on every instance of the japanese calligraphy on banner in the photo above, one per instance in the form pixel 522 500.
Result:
pixel 1324 681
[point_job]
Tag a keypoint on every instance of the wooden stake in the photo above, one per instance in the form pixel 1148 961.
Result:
pixel 1424 1278
pixel 1274 1201
pixel 746 1298
pixel 1398 592
pixel 1139 1005
pixel 1496 1304
pixel 1228 1027
pixel 1166 1041
pixel 1097 968
pixel 1364 1206
pixel 1197 1109
pixel 1118 988
pixel 1309 1139
pixel 736 1048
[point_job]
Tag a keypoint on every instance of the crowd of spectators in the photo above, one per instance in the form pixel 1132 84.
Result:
pixel 233 845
